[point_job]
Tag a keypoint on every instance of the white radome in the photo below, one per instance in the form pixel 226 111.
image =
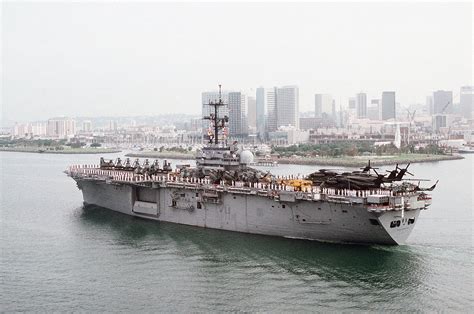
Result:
pixel 246 157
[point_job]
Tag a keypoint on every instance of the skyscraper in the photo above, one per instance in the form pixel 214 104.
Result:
pixel 237 116
pixel 442 102
pixel 388 106
pixel 361 105
pixel 86 126
pixel 466 101
pixel 288 106
pixel 373 111
pixel 270 97
pixel 352 103
pixel 429 104
pixel 323 105
pixel 252 112
pixel 260 111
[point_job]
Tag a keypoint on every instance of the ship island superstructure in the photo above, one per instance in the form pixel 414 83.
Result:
pixel 223 192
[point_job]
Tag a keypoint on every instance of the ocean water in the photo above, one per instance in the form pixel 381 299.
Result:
pixel 57 256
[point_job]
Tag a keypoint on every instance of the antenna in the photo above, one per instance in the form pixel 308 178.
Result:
pixel 218 123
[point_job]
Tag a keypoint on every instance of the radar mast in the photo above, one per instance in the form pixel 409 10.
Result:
pixel 217 123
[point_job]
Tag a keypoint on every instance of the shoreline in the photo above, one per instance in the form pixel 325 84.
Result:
pixel 161 155
pixel 322 161
pixel 65 151
pixel 361 162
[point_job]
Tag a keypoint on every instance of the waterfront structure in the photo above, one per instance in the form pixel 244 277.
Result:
pixel 223 192
pixel 442 102
pixel 466 101
pixel 361 104
pixel 61 127
pixel 388 106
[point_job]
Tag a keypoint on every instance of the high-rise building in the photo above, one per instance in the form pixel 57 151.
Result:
pixel 439 121
pixel 39 128
pixel 287 106
pixel 252 112
pixel 442 102
pixel 323 105
pixel 113 125
pixel 361 105
pixel 271 98
pixel 388 110
pixel 466 101
pixel 429 104
pixel 86 126
pixel 352 103
pixel 373 111
pixel 238 126
pixel 260 111
pixel 61 127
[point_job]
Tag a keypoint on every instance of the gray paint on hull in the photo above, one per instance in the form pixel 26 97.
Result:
pixel 314 220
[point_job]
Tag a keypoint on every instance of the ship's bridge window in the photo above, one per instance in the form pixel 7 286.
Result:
pixel 411 221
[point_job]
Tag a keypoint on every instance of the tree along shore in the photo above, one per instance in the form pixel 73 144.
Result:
pixel 347 161
pixel 343 161
pixel 162 155
pixel 59 151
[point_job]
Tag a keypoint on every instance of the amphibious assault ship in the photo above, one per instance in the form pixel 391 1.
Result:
pixel 223 192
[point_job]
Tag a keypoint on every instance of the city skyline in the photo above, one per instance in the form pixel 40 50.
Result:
pixel 56 64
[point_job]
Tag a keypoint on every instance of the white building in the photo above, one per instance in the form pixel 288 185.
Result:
pixel 61 127
pixel 86 126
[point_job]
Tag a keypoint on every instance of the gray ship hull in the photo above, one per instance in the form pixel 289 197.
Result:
pixel 302 219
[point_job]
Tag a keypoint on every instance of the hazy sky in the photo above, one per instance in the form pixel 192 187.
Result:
pixel 92 58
